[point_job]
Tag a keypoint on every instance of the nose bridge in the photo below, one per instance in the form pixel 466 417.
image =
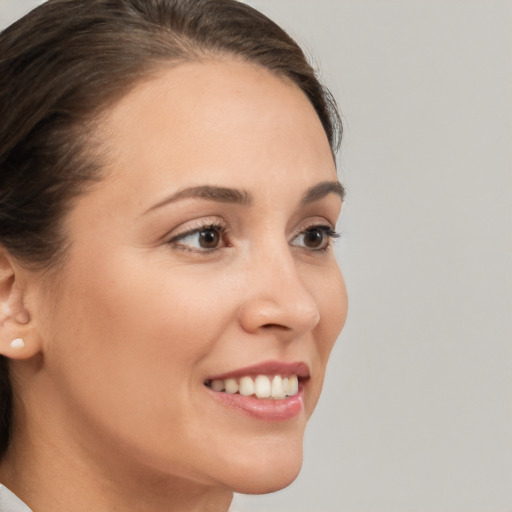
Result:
pixel 279 296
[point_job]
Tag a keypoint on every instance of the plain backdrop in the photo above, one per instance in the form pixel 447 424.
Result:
pixel 417 409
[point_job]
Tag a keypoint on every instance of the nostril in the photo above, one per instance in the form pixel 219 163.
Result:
pixel 276 326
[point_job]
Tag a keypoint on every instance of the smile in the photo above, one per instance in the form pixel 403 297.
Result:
pixel 269 391
pixel 276 387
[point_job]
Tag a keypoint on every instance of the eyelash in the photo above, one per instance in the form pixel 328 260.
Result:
pixel 327 231
pixel 222 230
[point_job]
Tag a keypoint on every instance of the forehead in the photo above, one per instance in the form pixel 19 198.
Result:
pixel 216 120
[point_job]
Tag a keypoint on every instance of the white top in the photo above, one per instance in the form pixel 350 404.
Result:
pixel 9 502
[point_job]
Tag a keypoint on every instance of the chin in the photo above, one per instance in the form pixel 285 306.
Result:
pixel 264 484
pixel 272 469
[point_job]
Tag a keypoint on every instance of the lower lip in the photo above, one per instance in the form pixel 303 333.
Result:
pixel 265 409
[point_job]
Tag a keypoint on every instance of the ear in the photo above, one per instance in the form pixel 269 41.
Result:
pixel 18 339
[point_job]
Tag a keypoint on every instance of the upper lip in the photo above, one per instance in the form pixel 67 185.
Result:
pixel 267 368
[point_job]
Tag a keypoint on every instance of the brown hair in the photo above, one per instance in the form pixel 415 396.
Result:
pixel 66 62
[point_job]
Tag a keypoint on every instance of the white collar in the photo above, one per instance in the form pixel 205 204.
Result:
pixel 9 502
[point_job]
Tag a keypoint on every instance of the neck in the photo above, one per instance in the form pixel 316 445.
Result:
pixel 49 478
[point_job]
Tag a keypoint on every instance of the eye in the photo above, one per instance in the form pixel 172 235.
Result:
pixel 317 238
pixel 202 239
pixel 208 238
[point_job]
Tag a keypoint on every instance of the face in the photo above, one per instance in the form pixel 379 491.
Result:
pixel 201 263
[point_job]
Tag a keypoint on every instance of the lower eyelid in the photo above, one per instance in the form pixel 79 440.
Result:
pixel 177 242
pixel 329 235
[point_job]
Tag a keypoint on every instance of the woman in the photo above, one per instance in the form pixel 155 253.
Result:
pixel 169 291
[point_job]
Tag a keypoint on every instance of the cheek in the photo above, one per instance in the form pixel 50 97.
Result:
pixel 333 304
pixel 122 325
pixel 139 320
pixel 125 356
pixel 331 298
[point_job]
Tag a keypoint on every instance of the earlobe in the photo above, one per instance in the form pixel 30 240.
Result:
pixel 16 333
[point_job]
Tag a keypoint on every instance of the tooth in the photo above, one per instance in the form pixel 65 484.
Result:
pixel 246 387
pixel 262 386
pixel 292 387
pixel 217 385
pixel 277 387
pixel 231 386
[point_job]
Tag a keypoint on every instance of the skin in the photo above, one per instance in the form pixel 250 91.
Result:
pixel 116 415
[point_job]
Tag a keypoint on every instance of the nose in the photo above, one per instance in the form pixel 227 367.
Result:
pixel 278 298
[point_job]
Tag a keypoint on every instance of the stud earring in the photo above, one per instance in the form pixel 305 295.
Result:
pixel 17 343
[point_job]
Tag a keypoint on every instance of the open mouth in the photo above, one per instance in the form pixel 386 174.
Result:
pixel 277 387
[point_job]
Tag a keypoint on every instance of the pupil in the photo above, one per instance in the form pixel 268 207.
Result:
pixel 209 238
pixel 314 238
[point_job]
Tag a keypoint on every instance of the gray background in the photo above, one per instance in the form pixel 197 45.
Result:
pixel 417 409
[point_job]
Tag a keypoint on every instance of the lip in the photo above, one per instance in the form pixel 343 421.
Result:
pixel 267 368
pixel 264 409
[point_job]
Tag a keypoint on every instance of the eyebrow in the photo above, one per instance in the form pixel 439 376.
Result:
pixel 210 193
pixel 244 198
pixel 321 190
